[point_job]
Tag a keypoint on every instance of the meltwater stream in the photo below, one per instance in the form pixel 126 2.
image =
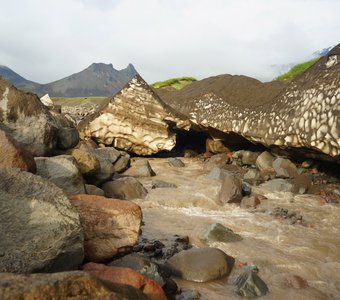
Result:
pixel 277 248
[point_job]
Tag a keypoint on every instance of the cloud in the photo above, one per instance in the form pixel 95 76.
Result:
pixel 46 40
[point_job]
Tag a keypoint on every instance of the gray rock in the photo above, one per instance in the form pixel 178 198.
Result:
pixel 264 162
pixel 250 285
pixel 231 190
pixel 218 160
pixel 87 162
pixel 218 174
pixel 278 185
pixel 93 190
pixel 284 168
pixel 63 171
pixel 250 202
pixel 253 177
pixel 108 153
pixel 175 162
pixel 122 163
pixel 126 188
pixel 219 233
pixel 40 231
pixel 140 168
pixel 162 184
pixel 140 264
pixel 247 157
pixel 201 264
pixel 68 137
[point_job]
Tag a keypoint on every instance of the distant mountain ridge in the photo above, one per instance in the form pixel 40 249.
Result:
pixel 98 79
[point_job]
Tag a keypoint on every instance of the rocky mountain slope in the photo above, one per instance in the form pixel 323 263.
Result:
pixel 97 80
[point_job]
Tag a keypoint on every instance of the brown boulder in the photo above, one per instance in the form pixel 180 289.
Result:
pixel 231 190
pixel 110 226
pixel 126 276
pixel 87 162
pixel 13 155
pixel 126 188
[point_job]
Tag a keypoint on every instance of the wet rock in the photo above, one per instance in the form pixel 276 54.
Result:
pixel 93 190
pixel 63 171
pixel 253 177
pixel 176 162
pixel 250 202
pixel 63 285
pixel 13 155
pixel 295 282
pixel 231 190
pixel 201 264
pixel 284 168
pixel 40 230
pixel 126 188
pixel 264 163
pixel 246 188
pixel 219 233
pixel 29 121
pixel 68 137
pixel 189 295
pixel 162 184
pixel 111 226
pixel 140 168
pixel 132 120
pixel 218 174
pixel 278 185
pixel 250 285
pixel 290 216
pixel 126 276
pixel 142 265
pixel 301 183
pixel 218 160
pixel 87 162
pixel 247 157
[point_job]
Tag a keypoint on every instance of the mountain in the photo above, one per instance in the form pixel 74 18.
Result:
pixel 98 79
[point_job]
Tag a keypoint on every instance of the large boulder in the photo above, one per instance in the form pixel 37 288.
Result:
pixel 39 228
pixel 201 264
pixel 126 276
pixel 231 190
pixel 140 168
pixel 132 120
pixel 111 226
pixel 63 171
pixel 125 188
pixel 13 155
pixel 63 285
pixel 28 119
pixel 87 162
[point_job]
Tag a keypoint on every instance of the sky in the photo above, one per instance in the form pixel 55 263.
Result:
pixel 45 40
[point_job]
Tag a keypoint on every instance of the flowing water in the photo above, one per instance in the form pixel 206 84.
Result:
pixel 273 245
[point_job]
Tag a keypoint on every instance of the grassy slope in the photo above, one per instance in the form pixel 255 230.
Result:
pixel 297 69
pixel 177 83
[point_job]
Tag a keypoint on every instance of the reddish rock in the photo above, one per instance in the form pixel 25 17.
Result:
pixel 110 226
pixel 13 155
pixel 126 276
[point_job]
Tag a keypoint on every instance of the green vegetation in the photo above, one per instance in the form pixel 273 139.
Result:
pixel 297 69
pixel 176 83
pixel 77 100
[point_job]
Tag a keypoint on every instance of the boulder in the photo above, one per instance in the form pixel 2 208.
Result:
pixel 111 226
pixel 140 168
pixel 231 190
pixel 126 276
pixel 29 121
pixel 284 168
pixel 246 157
pixel 250 201
pixel 252 176
pixel 87 162
pixel 40 231
pixel 126 188
pixel 46 100
pixel 68 137
pixel 201 264
pixel 218 174
pixel 93 190
pixel 250 285
pixel 301 183
pixel 13 155
pixel 63 285
pixel 132 120
pixel 218 160
pixel 122 163
pixel 142 265
pixel 264 162
pixel 63 171
pixel 176 162
pixel 219 233
pixel 278 185
pixel 215 146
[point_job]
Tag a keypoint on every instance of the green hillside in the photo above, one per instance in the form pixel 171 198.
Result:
pixel 176 83
pixel 297 69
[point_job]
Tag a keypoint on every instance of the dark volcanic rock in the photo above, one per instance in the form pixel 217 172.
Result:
pixel 201 264
pixel 39 229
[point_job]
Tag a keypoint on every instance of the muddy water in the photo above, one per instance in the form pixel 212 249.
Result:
pixel 275 247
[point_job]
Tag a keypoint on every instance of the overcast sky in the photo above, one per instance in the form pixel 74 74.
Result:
pixel 45 40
